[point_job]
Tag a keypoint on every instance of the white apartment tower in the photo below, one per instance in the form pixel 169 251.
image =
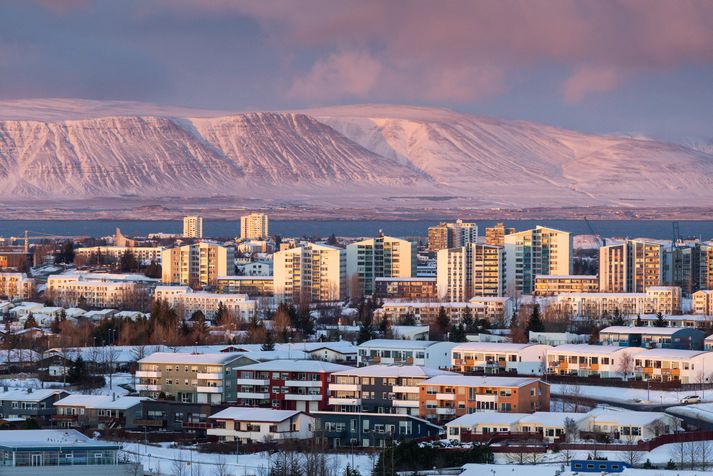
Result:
pixel 198 264
pixel 630 267
pixel 535 252
pixel 312 272
pixel 193 226
pixel 254 227
pixel 468 271
pixel 380 257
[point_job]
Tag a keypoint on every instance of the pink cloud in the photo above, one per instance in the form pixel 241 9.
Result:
pixel 590 80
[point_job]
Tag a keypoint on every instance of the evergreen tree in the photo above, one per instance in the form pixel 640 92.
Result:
pixel 269 342
pixel 534 324
pixel 128 262
pixel 457 334
pixel 442 323
pixel 408 320
pixel 639 322
pixel 332 240
pixel 30 322
pixel 468 322
pixel 594 336
pixel 153 270
pixel 77 373
pixel 660 321
pixel 197 315
pixel 365 333
pixel 55 328
pixel 200 328
pixel 349 471
pixel 384 326
pixel 617 319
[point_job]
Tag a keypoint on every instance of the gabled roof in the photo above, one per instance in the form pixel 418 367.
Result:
pixel 255 414
pixel 189 358
pixel 394 371
pixel 101 402
pixel 295 366
pixel 22 394
pixel 487 418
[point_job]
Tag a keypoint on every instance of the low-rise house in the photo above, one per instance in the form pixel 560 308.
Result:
pixel 557 338
pixel 18 359
pixel 338 352
pixel 650 337
pixel 259 425
pixel 285 384
pixel 630 426
pixel 379 388
pixel 697 321
pixel 482 423
pixel 189 301
pixel 546 425
pixel 422 353
pixel 59 453
pixel 445 397
pixel 187 377
pixel 553 425
pixel 584 360
pixel 25 308
pixel 98 411
pixel 708 343
pixel 666 365
pixel 99 314
pixel 371 430
pixel 410 332
pixel 490 357
pixel 30 403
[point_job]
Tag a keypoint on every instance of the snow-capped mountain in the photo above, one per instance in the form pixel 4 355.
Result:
pixel 356 155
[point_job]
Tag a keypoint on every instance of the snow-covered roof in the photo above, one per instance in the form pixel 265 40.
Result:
pixel 189 358
pixel 394 371
pixel 589 349
pixel 659 331
pixel 479 381
pixel 295 366
pixel 552 419
pixel 49 438
pixel 100 402
pixel 24 395
pixel 255 414
pixel 680 354
pixel 487 418
pixel 626 417
pixel 491 347
pixel 397 344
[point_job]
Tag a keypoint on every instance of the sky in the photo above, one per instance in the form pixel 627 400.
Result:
pixel 639 67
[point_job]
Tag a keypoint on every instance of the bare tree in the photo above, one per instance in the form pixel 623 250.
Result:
pixel 110 359
pixel 178 466
pixel 632 455
pixel 571 430
pixel 221 467
pixel 626 364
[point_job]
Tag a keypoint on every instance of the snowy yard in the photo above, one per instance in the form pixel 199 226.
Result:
pixel 628 395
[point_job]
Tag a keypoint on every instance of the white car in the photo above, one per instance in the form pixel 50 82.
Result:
pixel 691 399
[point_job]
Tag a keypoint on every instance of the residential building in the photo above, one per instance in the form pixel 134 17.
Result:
pixel 380 257
pixel 97 411
pixel 705 267
pixel 16 286
pixel 495 235
pixel 29 403
pixel 702 302
pixel 546 425
pixel 285 384
pixel 493 309
pixel 529 253
pixel 664 299
pixel 186 302
pixel 187 377
pixel 708 343
pixel 256 268
pixel 445 397
pixel 666 365
pixel 630 267
pixel 421 353
pixel 310 273
pixel 171 415
pixel 650 337
pixel 557 338
pixel 193 227
pixel 683 266
pixel 248 425
pixel 15 258
pixel 699 321
pixel 60 453
pixel 253 286
pixel 371 430
pixel 584 360
pixel 79 290
pixel 552 285
pixel 451 235
pixel 492 357
pixel 630 426
pixel 379 388
pixel 410 289
pixel 410 332
pixel 197 264
pixel 113 254
pixel 471 270
pixel 254 226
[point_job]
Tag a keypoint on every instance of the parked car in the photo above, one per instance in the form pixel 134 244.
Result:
pixel 691 399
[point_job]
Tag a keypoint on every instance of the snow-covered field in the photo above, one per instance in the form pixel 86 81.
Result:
pixel 163 460
pixel 629 395
pixel 555 469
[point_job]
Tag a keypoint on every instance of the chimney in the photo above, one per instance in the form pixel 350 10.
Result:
pixel 113 397
pixel 29 390
pixel 5 389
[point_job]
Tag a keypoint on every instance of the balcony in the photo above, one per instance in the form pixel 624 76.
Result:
pixel 148 422
pixel 303 398
pixel 344 401
pixel 204 389
pixel 148 374
pixel 405 389
pixel 253 395
pixel 252 381
pixel 405 403
pixel 303 383
pixel 194 425
pixel 446 396
pixel 445 411
pixel 59 416
pixel 148 387
pixel 343 387
pixel 210 376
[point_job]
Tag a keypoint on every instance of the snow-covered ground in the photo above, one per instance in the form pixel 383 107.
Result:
pixel 163 460
pixel 629 395
pixel 108 389
pixel 553 469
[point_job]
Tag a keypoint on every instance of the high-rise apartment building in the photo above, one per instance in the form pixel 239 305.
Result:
pixel 451 235
pixel 193 226
pixel 380 257
pixel 630 267
pixel 310 272
pixel 197 264
pixel 495 235
pixel 254 227
pixel 535 252
pixel 471 270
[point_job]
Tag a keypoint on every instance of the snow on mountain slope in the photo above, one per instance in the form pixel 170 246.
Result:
pixel 351 155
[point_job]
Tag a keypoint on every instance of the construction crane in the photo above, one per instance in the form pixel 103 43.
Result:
pixel 591 230
pixel 44 236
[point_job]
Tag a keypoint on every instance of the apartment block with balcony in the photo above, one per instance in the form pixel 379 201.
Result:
pixel 310 273
pixel 702 302
pixel 253 286
pixel 493 309
pixel 16 286
pixel 187 301
pixel 193 226
pixel 445 397
pixel 630 267
pixel 380 257
pixel 197 264
pixel 433 354
pixel 190 378
pixel 409 289
pixel 584 360
pixel 529 253
pixel 471 270
pixel 495 358
pixel 667 365
pixel 552 285
pixel 653 337
pixel 254 226
pixel 72 290
pixel 451 235
pixel 98 411
pixel 664 299
pixel 143 254
pixel 379 389
pixel 257 425
pixel 300 385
